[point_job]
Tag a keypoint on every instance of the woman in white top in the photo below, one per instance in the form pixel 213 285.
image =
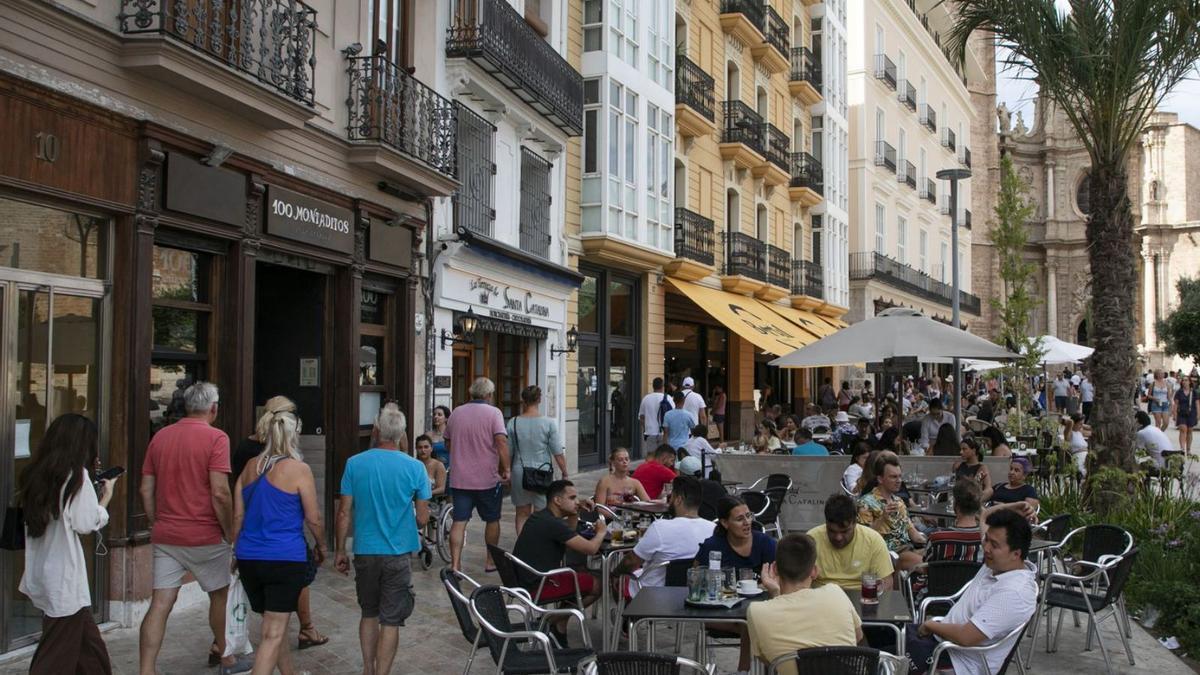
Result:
pixel 1076 443
pixel 60 504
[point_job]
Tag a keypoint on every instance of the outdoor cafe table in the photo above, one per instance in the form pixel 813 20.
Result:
pixel 667 603
pixel 655 508
pixel 609 554
pixel 938 510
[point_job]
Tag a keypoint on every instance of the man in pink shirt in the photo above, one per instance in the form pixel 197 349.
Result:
pixel 185 491
pixel 478 447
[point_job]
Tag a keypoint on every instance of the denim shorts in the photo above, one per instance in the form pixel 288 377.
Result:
pixel 486 502
pixel 1156 407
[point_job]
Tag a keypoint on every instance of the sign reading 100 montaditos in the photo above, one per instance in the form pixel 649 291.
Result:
pixel 312 221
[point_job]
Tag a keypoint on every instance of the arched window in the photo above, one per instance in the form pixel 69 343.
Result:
pixel 681 185
pixel 1083 194
pixel 1081 333
pixel 761 103
pixel 763 224
pixel 733 82
pixel 732 211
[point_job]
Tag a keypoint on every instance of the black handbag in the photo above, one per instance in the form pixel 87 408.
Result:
pixel 12 538
pixel 532 479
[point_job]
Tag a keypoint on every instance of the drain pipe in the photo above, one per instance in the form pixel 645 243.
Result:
pixel 432 249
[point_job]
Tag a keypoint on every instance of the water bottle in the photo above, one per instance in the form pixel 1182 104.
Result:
pixel 714 575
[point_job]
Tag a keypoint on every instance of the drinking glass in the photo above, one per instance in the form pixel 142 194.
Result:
pixel 870 589
pixel 697 578
pixel 728 582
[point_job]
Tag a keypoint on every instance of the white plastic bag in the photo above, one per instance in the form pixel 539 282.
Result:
pixel 237 615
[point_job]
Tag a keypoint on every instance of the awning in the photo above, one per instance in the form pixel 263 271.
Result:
pixel 803 318
pixel 748 318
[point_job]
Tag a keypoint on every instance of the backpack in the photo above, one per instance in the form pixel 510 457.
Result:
pixel 664 406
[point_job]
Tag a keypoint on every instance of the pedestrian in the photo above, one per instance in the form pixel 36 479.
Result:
pixel 274 498
pixel 649 417
pixel 190 516
pixel 441 417
pixel 60 504
pixel 1185 412
pixel 433 468
pixel 477 436
pixel 251 448
pixel 844 397
pixel 677 423
pixel 386 495
pixel 535 440
pixel 694 403
pixel 826 396
pixel 718 409
pixel 1158 400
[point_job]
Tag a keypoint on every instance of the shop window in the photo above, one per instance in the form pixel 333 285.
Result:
pixel 182 318
pixel 588 319
pixel 42 239
pixel 374 355
pixel 620 308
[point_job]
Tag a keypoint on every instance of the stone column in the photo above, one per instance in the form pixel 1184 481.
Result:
pixel 1149 300
pixel 1051 298
pixel 1050 215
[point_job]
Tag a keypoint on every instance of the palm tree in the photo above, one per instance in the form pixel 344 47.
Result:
pixel 1106 64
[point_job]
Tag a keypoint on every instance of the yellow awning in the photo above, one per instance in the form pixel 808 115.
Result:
pixel 748 318
pixel 803 318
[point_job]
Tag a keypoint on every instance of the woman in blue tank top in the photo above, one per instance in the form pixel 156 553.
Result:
pixel 275 497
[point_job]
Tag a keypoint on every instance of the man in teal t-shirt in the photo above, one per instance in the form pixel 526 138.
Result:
pixel 806 445
pixel 678 422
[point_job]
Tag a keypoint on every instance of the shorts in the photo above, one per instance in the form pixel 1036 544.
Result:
pixel 719 419
pixel 209 564
pixel 561 587
pixel 383 584
pixel 273 585
pixel 1156 407
pixel 1185 420
pixel 1060 403
pixel 650 443
pixel 519 495
pixel 486 502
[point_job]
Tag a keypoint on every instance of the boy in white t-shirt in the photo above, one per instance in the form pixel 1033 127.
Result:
pixel 669 539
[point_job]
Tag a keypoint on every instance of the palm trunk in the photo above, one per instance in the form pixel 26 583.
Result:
pixel 1114 280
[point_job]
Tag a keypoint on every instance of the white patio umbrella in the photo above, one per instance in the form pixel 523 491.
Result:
pixel 1056 351
pixel 898 331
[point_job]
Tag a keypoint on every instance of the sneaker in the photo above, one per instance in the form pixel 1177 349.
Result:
pixel 243 664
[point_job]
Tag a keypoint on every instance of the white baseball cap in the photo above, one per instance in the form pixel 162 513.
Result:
pixel 689 466
pixel 688 382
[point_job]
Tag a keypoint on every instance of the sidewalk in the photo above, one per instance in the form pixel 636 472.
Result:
pixel 432 642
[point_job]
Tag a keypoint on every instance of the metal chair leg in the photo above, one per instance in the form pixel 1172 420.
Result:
pixel 1094 625
pixel 1124 639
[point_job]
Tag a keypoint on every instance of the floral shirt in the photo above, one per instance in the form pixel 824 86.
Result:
pixel 894 526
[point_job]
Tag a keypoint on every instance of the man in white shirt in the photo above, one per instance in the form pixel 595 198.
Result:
pixel 815 419
pixel 693 403
pixel 933 422
pixel 648 414
pixel 668 539
pixel 1151 439
pixel 1087 395
pixel 1062 390
pixel 1001 597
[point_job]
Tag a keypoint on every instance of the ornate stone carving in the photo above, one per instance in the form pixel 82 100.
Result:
pixel 254 198
pixel 1004 117
pixel 148 175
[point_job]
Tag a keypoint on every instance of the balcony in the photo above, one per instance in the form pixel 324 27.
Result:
pixel 805 79
pixel 695 105
pixel 929 191
pixel 885 70
pixel 928 117
pixel 779 274
pixel 773 52
pixel 906 93
pixel 492 35
pixel 774 171
pixel 742 135
pixel 948 140
pixel 743 19
pixel 808 284
pixel 885 155
pixel 694 246
pixel 745 264
pixel 965 157
pixel 907 174
pixel 872 265
pixel 965 221
pixel 808 180
pixel 401 128
pixel 254 58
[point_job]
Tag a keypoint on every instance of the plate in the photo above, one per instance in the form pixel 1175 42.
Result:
pixel 728 603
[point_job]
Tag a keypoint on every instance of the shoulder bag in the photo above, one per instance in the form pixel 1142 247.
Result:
pixel 532 479
pixel 13 536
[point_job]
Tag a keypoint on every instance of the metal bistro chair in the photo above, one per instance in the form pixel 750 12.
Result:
pixel 546 591
pixel 774 480
pixel 1098 541
pixel 1015 635
pixel 760 505
pixel 944 579
pixel 524 652
pixel 1077 594
pixel 454 581
pixel 639 663
pixel 839 661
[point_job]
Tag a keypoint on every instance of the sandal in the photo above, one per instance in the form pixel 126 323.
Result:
pixel 214 655
pixel 305 643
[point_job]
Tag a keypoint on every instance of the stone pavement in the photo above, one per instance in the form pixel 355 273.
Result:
pixel 432 643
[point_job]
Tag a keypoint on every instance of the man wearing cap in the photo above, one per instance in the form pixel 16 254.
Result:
pixel 693 403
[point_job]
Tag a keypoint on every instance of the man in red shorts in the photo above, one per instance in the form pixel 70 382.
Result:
pixel 544 541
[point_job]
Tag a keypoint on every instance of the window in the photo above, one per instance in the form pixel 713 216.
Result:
pixel 818 140
pixel 901 67
pixel 922 248
pixel 901 141
pixel 816 239
pixel 593 28
pixel 659 48
pixel 880 129
pixel 878 39
pixel 593 184
pixel 901 239
pixel 1083 194
pixel 921 168
pixel 591 131
pixel 375 356
pixel 622 25
pixel 622 160
pixel 473 207
pixel 945 248
pixel 880 227
pixel 921 91
pixel 181 314
pixel 535 204
pixel 387 31
pixel 659 133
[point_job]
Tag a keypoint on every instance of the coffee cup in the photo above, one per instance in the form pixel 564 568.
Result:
pixel 747 586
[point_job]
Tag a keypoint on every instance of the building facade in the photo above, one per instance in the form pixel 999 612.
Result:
pixel 179 206
pixel 911 115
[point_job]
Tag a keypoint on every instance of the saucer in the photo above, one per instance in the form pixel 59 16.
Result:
pixel 759 591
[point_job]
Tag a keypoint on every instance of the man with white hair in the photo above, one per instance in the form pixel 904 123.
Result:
pixel 185 493
pixel 694 403
pixel 478 445
pixel 387 493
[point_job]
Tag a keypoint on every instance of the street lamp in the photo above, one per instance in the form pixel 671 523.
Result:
pixel 572 340
pixel 464 332
pixel 955 175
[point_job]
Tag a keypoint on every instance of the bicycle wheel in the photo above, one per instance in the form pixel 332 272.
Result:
pixel 443 533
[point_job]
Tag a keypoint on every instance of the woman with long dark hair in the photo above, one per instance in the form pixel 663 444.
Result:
pixel 441 415
pixel 60 505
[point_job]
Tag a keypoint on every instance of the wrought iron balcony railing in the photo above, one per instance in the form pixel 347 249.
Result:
pixel 874 265
pixel 776 31
pixel 966 157
pixel 806 67
pixel 928 117
pixel 885 70
pixel 390 106
pixel 808 278
pixel 694 87
pixel 745 255
pixel 948 140
pixel 777 146
pixel 779 267
pixel 753 9
pixel 694 238
pixel 966 218
pixel 807 172
pixel 885 155
pixel 906 93
pixel 929 191
pixel 907 174
pixel 272 41
pixel 495 37
pixel 742 125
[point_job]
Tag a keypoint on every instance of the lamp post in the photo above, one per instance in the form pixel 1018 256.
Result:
pixel 955 175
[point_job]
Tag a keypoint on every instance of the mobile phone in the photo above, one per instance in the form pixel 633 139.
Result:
pixel 110 473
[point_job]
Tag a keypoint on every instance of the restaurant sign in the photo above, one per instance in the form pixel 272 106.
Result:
pixel 302 218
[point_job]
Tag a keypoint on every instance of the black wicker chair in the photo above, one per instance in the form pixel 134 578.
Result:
pixel 835 661
pixel 944 579
pixel 459 602
pixel 639 663
pixel 518 650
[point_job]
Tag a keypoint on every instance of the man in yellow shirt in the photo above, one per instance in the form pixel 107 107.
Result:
pixel 799 616
pixel 846 549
